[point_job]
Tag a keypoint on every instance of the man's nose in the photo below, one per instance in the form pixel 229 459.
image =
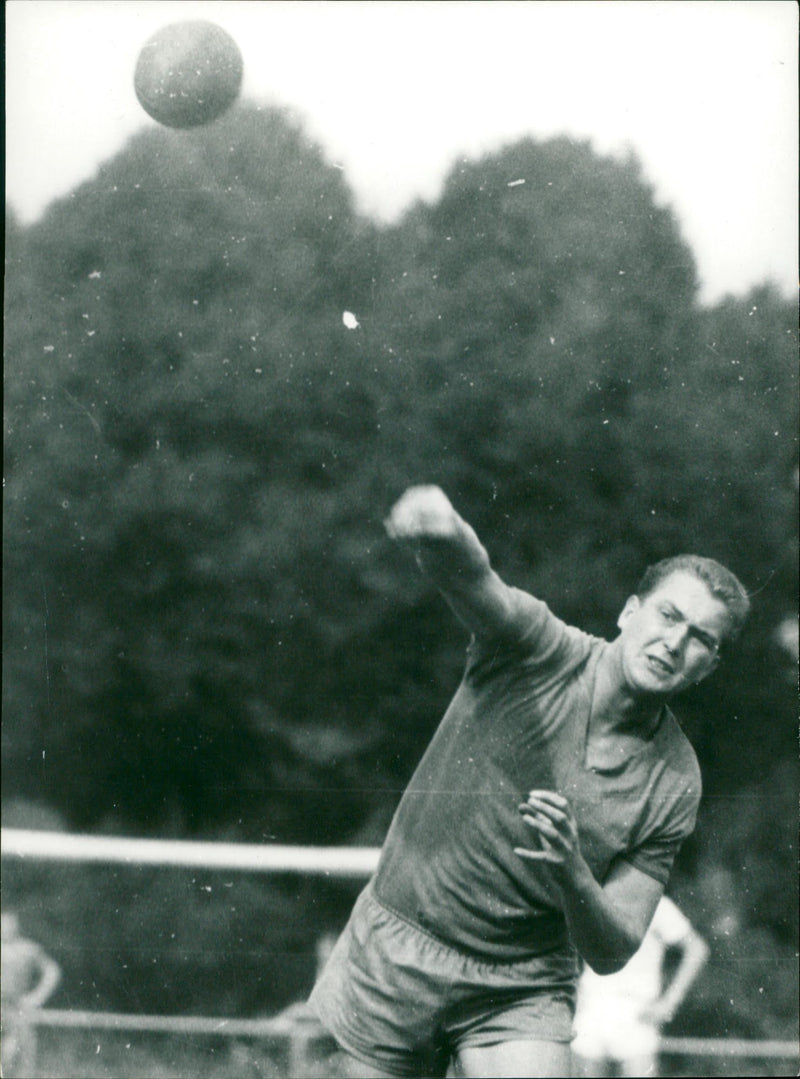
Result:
pixel 674 639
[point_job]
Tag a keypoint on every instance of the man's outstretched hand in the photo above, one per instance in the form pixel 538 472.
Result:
pixel 451 556
pixel 422 512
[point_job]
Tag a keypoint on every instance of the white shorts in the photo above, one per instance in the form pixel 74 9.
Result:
pixel 614 1030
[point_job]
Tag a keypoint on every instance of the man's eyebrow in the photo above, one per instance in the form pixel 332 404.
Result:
pixel 701 634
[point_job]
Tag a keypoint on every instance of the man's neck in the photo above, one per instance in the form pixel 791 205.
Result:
pixel 614 706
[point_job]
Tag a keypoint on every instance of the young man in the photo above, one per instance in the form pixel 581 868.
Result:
pixel 464 950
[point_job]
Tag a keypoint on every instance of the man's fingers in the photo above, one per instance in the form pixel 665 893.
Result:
pixel 544 810
pixel 537 855
pixel 536 817
pixel 395 529
pixel 544 829
pixel 424 511
pixel 549 797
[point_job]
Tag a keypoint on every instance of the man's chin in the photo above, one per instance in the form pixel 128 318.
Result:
pixel 653 681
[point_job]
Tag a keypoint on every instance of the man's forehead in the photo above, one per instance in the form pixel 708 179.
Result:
pixel 683 583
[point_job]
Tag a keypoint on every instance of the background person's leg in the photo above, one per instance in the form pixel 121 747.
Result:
pixel 514 1060
pixel 645 1064
pixel 590 1067
pixel 18 1047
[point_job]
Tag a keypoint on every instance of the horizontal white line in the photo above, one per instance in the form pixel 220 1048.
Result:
pixel 280 1025
pixel 271 858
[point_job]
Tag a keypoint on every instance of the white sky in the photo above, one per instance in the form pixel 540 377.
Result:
pixel 704 92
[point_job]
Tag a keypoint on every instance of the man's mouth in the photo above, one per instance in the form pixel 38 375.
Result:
pixel 661 666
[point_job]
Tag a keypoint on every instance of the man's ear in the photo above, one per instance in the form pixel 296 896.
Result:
pixel 632 604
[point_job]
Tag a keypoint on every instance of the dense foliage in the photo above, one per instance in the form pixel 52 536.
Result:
pixel 206 632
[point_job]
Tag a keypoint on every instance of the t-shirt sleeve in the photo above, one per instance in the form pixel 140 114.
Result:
pixel 656 854
pixel 530 629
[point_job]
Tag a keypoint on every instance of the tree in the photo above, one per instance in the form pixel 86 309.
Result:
pixel 714 471
pixel 183 302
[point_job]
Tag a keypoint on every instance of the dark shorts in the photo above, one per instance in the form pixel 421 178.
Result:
pixel 397 998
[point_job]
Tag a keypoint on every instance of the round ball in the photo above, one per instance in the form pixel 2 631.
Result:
pixel 188 73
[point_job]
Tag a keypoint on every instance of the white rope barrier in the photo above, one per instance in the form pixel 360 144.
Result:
pixel 729 1047
pixel 277 1026
pixel 267 858
pixel 299 1033
pixel 285 1026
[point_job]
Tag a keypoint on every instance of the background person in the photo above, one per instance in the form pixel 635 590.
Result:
pixel 619 1017
pixel 28 978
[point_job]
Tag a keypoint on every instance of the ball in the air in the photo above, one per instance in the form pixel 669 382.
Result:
pixel 188 73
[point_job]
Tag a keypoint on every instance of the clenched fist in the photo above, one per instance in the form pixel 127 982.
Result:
pixel 422 512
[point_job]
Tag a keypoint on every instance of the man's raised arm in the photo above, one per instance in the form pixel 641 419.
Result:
pixel 451 555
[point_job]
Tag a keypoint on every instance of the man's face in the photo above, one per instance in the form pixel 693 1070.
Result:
pixel 671 638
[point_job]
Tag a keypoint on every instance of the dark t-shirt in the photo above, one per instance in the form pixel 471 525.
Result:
pixel 518 722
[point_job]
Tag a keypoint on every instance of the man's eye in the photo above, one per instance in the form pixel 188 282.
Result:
pixel 668 616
